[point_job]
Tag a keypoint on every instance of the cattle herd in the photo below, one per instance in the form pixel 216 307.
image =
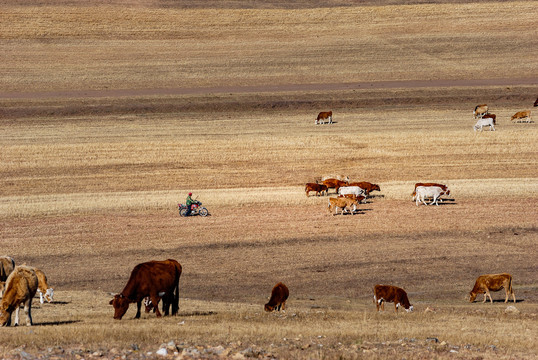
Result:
pixel 485 119
pixel 153 281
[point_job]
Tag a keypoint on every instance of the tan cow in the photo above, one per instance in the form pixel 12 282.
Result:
pixel 480 110
pixel 279 295
pixel 492 282
pixel 344 178
pixel 389 293
pixel 343 203
pixel 324 115
pixel 21 286
pixel 44 290
pixel 522 116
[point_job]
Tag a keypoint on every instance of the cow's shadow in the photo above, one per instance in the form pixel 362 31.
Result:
pixel 54 323
pixel 197 313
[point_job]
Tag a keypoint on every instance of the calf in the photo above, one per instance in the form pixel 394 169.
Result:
pixel 492 282
pixel 342 203
pixel 279 295
pixel 522 116
pixel 44 290
pixel 368 187
pixel 324 115
pixel 481 123
pixel 423 192
pixel 389 293
pixel 20 288
pixel 318 188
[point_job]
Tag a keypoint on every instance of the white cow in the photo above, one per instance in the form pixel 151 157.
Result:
pixel 424 192
pixel 484 122
pixel 352 190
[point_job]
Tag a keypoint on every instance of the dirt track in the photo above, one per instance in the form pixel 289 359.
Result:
pixel 412 84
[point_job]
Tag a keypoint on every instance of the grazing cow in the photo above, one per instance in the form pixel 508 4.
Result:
pixel 334 184
pixel 492 282
pixel 20 288
pixel 522 116
pixel 343 203
pixel 484 122
pixel 480 110
pixel 368 187
pixel 424 192
pixel 491 116
pixel 389 293
pixel 324 115
pixel 318 188
pixel 7 264
pixel 150 279
pixel 279 295
pixel 43 287
pixel 352 190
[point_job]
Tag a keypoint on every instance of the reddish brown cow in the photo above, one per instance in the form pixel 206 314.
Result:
pixel 318 188
pixel 279 295
pixel 491 116
pixel 389 293
pixel 492 282
pixel 368 187
pixel 152 279
pixel 334 184
pixel 324 115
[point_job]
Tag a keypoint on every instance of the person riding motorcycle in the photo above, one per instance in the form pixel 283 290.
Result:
pixel 189 202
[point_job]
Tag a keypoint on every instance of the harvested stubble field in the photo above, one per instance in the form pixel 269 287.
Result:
pixel 111 114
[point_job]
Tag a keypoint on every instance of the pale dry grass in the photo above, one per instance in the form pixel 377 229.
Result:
pixel 105 47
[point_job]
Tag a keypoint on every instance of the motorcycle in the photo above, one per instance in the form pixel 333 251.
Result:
pixel 196 209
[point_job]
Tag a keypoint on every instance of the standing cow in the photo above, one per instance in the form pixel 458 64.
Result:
pixel 317 188
pixel 324 116
pixel 153 279
pixel 492 282
pixel 389 293
pixel 424 192
pixel 367 186
pixel 522 116
pixel 20 288
pixel 7 264
pixel 279 295
pixel 480 110
pixel 481 123
pixel 334 184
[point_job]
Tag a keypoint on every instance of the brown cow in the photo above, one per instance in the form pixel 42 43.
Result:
pixel 389 293
pixel 318 188
pixel 7 264
pixel 480 110
pixel 491 116
pixel 522 116
pixel 368 187
pixel 153 279
pixel 492 282
pixel 536 102
pixel 334 184
pixel 279 295
pixel 324 115
pixel 343 203
pixel 20 288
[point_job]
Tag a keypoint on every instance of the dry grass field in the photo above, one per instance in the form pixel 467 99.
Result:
pixel 110 114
